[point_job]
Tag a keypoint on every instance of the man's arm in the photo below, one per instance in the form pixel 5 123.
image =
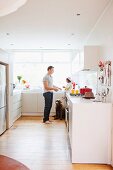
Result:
pixel 57 87
pixel 45 83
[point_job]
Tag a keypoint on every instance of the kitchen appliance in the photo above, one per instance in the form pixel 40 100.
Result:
pixel 2 98
pixel 67 118
pixel 84 90
pixel 67 114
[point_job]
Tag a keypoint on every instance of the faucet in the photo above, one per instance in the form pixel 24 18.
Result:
pixel 104 95
pixel 101 96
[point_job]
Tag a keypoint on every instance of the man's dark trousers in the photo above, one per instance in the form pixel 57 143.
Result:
pixel 48 96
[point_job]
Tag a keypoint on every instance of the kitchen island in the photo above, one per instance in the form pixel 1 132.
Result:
pixel 89 130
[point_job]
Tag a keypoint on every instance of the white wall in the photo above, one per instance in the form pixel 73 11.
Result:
pixel 102 35
pixel 4 57
pixel 86 78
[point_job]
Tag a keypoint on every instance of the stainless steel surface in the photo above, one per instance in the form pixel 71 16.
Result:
pixel 2 98
pixel 67 114
pixel 2 86
pixel 2 120
pixel 67 118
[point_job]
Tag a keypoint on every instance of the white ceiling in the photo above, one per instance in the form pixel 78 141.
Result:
pixel 50 24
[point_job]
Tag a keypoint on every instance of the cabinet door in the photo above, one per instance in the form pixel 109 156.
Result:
pixel 17 105
pixel 57 95
pixel 16 114
pixel 91 57
pixel 40 103
pixel 17 98
pixel 29 102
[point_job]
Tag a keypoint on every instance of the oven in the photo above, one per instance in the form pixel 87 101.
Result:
pixel 67 118
pixel 67 114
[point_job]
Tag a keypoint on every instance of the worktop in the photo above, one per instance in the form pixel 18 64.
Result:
pixel 79 100
pixel 15 92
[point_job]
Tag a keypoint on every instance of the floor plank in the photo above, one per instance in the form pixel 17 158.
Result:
pixel 40 146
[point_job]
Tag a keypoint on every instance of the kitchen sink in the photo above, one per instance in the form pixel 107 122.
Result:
pixel 97 101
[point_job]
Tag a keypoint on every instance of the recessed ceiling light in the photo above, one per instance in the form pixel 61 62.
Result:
pixel 72 34
pixel 78 14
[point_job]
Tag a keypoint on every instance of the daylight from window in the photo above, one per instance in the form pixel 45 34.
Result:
pixel 32 66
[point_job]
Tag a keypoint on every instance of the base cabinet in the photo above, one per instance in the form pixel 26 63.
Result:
pixel 33 103
pixel 29 103
pixel 90 132
pixel 16 107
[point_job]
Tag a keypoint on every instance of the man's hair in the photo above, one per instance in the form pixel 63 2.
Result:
pixel 49 68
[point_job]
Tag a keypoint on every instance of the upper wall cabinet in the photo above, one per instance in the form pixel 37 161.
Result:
pixel 86 59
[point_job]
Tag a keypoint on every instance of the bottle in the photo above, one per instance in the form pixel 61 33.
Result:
pixel 73 83
pixel 77 89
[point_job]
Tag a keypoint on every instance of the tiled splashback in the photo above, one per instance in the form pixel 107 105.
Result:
pixel 86 78
pixel 91 80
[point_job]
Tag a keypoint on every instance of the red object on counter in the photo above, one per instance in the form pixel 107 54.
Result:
pixel 85 89
pixel 74 84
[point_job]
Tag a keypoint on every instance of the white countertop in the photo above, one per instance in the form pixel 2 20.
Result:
pixel 38 91
pixel 79 100
pixel 16 91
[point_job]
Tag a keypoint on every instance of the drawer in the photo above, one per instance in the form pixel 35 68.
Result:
pixel 16 114
pixel 17 98
pixel 16 105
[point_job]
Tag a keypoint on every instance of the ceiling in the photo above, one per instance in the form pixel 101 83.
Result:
pixel 50 24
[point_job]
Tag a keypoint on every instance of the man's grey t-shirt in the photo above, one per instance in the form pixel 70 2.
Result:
pixel 49 79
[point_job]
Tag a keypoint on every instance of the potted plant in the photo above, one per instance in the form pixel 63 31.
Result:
pixel 19 78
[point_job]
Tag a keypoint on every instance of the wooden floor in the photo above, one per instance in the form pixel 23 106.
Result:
pixel 41 146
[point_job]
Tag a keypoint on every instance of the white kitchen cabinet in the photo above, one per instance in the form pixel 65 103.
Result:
pixel 86 59
pixel 90 57
pixel 70 121
pixel 33 103
pixel 16 106
pixel 57 95
pixel 90 131
pixel 40 103
pixel 29 103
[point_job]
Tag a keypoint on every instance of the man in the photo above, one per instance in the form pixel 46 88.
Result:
pixel 48 93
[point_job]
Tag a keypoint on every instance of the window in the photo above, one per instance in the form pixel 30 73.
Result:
pixel 25 57
pixel 32 66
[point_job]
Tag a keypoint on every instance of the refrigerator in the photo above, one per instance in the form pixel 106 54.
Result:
pixel 2 98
